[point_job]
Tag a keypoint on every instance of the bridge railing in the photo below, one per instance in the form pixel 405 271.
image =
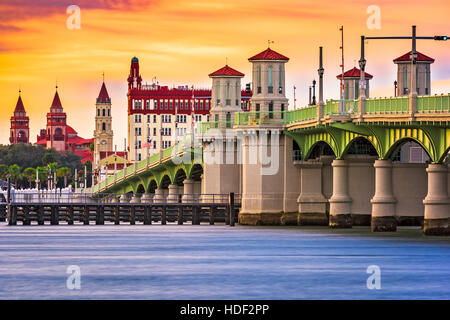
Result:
pixel 302 114
pixel 392 105
pixel 433 104
pixel 204 127
pixel 331 107
pixel 52 197
pixel 260 117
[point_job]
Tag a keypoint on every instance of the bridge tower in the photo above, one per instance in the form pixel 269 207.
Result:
pixel 103 133
pixel 221 172
pixel 423 74
pixel 265 187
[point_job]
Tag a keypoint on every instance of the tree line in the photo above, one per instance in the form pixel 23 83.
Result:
pixel 23 163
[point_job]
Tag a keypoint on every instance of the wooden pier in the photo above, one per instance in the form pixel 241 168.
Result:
pixel 117 213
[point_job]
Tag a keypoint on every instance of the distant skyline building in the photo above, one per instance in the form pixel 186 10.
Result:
pixel 19 130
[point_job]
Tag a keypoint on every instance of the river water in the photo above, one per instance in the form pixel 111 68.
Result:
pixel 220 262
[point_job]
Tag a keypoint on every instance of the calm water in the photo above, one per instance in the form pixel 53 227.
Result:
pixel 220 262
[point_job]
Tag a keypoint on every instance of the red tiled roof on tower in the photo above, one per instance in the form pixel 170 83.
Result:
pixel 268 54
pixel 420 57
pixel 226 71
pixel 19 106
pixel 56 104
pixel 103 96
pixel 354 73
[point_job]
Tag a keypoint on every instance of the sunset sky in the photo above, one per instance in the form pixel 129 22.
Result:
pixel 181 42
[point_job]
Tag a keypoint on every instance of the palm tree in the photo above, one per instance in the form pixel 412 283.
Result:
pixel 30 174
pixel 14 170
pixel 42 174
pixel 64 172
pixel 4 170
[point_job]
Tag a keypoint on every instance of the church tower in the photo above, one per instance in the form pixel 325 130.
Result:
pixel 103 134
pixel 56 125
pixel 19 132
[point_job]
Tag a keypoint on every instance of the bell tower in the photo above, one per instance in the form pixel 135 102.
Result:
pixel 103 134
pixel 56 125
pixel 20 132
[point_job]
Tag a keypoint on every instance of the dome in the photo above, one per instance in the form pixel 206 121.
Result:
pixel 134 59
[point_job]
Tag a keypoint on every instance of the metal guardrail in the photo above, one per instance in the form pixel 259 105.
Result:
pixel 433 104
pixel 392 105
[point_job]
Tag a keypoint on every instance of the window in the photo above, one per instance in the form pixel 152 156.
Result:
pixel 154 144
pixel 181 104
pixel 405 81
pixel 171 105
pixel 426 82
pixel 346 91
pixel 138 104
pixel 176 104
pixel 228 101
pixel 155 106
pixel 166 105
pixel 198 118
pixel 356 89
pixel 154 118
pixel 218 92
pixel 228 120
pixel 196 104
pixel 137 118
pixel 154 131
pixel 98 112
pixel 259 78
pixel 137 131
pixel 201 104
pixel 271 110
pixel 103 126
pixel 148 118
pixel 269 81
pixel 417 79
pixel 236 92
pixel 280 82
pixel 282 111
pixel 103 112
pixel 206 104
pixel 139 157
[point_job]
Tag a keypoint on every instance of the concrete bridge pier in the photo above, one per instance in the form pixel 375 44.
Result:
pixel 125 198
pixel 147 197
pixel 188 190
pixel 159 196
pixel 172 197
pixel 383 202
pixel 312 204
pixel 135 199
pixel 340 201
pixel 437 201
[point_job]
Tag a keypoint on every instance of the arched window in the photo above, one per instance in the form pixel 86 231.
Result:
pixel 103 112
pixel 103 126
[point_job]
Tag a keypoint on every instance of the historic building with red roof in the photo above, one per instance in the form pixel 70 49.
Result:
pixel 62 137
pixel 159 115
pixel 19 131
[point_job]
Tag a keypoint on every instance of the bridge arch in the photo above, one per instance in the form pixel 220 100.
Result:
pixel 180 176
pixel 320 148
pixel 396 136
pixel 360 145
pixel 165 182
pixel 196 172
pixel 445 157
pixel 152 186
pixel 140 189
pixel 393 153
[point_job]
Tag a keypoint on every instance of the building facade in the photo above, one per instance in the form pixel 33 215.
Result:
pixel 423 74
pixel 158 115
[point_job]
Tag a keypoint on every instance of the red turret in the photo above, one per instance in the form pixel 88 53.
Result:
pixel 20 131
pixel 134 79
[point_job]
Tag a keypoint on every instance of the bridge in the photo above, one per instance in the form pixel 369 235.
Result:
pixel 339 165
